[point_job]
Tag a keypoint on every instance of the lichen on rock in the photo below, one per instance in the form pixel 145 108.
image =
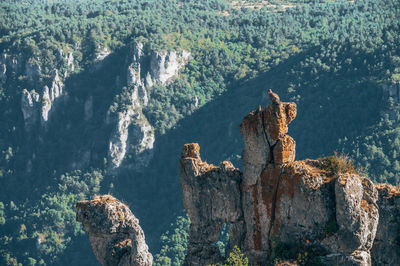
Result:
pixel 277 199
pixel 114 232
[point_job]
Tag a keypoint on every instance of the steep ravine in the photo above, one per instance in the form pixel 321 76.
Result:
pixel 145 67
pixel 69 105
pixel 343 218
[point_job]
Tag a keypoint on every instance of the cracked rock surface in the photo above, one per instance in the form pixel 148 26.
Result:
pixel 274 204
pixel 276 200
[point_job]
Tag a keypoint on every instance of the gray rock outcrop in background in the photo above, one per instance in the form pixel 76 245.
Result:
pixel 145 68
pixel 36 105
pixel 132 134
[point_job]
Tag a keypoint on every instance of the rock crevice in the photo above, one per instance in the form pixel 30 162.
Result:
pixel 274 203
pixel 281 201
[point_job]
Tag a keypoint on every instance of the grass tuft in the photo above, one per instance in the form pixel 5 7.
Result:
pixel 338 164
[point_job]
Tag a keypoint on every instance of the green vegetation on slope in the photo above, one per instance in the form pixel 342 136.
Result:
pixel 330 58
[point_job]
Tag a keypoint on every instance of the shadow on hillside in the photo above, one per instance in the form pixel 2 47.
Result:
pixel 62 144
pixel 331 106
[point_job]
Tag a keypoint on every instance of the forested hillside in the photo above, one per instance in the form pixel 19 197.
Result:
pixel 338 60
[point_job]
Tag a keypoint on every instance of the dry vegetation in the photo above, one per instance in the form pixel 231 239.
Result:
pixel 338 164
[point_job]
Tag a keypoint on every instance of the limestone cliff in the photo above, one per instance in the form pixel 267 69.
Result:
pixel 392 90
pixel 38 100
pixel 115 234
pixel 39 104
pixel 278 201
pixel 275 205
pixel 145 67
pixel 131 129
pixel 386 248
pixel 218 191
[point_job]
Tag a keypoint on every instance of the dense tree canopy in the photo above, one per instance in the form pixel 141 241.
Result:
pixel 330 57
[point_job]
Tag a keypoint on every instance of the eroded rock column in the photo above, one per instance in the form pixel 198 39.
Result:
pixel 278 201
pixel 386 248
pixel 211 196
pixel 267 148
pixel 114 232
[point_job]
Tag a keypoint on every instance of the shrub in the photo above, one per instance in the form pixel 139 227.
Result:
pixel 237 258
pixel 335 164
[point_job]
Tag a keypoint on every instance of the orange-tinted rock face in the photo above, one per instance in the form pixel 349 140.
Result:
pixel 114 232
pixel 276 119
pixel 191 150
pixel 284 150
pixel 276 199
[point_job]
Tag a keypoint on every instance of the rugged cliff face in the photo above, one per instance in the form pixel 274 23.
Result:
pixel 386 248
pixel 115 234
pixel 145 67
pixel 278 201
pixel 130 134
pixel 35 105
pixel 218 191
pixel 278 205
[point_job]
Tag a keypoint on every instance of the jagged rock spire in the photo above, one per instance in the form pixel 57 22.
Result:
pixel 276 199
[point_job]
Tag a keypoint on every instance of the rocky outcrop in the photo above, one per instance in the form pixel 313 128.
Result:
pixel 217 189
pixel 32 69
pixel 29 106
pixel 35 105
pixel 145 68
pixel 131 121
pixel 276 200
pixel 276 204
pixel 8 64
pixel 135 72
pixel 38 102
pixel 148 67
pixel 114 232
pixel 70 61
pixel 101 53
pixel 386 249
pixel 3 67
pixel 165 65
